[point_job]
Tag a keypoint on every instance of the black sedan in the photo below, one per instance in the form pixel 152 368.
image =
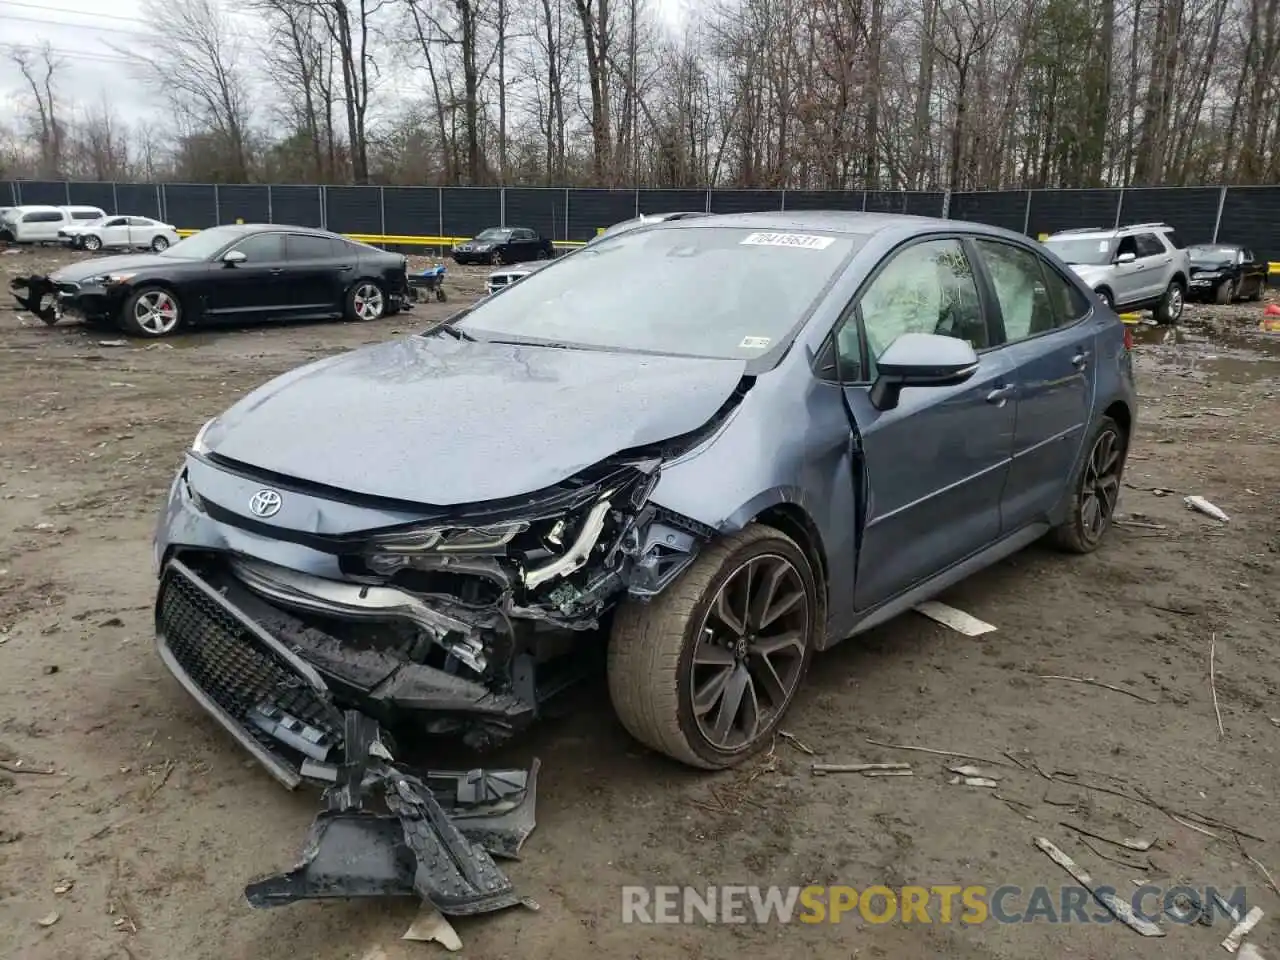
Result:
pixel 504 245
pixel 231 274
pixel 1226 272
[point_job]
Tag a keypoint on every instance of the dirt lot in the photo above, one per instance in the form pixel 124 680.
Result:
pixel 159 819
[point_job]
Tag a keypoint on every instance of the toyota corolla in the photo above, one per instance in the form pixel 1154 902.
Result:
pixel 809 425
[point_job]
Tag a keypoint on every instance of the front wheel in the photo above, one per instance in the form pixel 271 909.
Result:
pixel 1256 293
pixel 151 312
pixel 91 243
pixel 705 671
pixel 1095 489
pixel 366 301
pixel 1105 296
pixel 1225 292
pixel 1169 310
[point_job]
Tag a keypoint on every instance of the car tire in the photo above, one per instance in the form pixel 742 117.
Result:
pixel 652 649
pixel 1169 309
pixel 6 236
pixel 1225 292
pixel 366 301
pixel 1096 475
pixel 1105 296
pixel 543 255
pixel 495 259
pixel 91 243
pixel 1258 288
pixel 151 312
pixel 159 244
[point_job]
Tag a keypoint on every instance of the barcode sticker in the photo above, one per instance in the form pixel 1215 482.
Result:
pixel 804 240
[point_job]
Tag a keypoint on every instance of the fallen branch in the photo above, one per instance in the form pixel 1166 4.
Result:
pixel 1120 860
pixel 1271 882
pixel 164 778
pixel 1213 685
pixel 940 753
pixel 1093 681
pixel 16 767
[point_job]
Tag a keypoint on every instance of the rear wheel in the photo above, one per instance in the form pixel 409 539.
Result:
pixel 1095 489
pixel 91 243
pixel 160 243
pixel 366 301
pixel 705 671
pixel 151 312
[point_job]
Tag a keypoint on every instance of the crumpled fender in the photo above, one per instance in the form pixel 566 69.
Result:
pixel 37 287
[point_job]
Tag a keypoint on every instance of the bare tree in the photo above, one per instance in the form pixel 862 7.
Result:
pixel 39 69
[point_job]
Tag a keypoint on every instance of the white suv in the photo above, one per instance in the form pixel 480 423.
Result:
pixel 32 224
pixel 1139 267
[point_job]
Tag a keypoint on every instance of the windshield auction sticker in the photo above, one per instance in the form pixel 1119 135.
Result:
pixel 805 240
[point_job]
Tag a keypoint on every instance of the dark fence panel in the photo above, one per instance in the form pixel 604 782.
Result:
pixel 240 201
pixel 671 201
pixel 468 210
pixel 93 195
pixel 1000 208
pixel 297 206
pixel 824 200
pixel 594 210
pixel 923 204
pixel 1191 211
pixel 8 193
pixel 1251 216
pixel 191 206
pixel 353 209
pixel 142 199
pixel 745 201
pixel 412 211
pixel 42 192
pixel 538 208
pixel 1053 210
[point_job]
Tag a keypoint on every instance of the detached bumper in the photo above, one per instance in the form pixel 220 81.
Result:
pixel 444 827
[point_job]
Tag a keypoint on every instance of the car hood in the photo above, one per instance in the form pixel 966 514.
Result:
pixel 434 420
pixel 1090 273
pixel 1211 263
pixel 98 266
pixel 520 269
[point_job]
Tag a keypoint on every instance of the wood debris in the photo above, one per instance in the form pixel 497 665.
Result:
pixel 1241 930
pixel 957 620
pixel 1115 906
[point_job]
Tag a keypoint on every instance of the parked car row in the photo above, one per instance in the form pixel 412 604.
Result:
pixel 86 228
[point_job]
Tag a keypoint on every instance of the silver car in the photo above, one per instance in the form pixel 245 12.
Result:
pixel 1138 267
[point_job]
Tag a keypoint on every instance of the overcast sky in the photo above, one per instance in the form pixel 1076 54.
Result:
pixel 83 34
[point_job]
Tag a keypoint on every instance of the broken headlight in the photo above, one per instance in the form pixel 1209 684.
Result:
pixel 391 551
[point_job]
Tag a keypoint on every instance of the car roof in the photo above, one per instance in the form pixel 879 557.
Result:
pixel 1095 233
pixel 832 221
pixel 250 228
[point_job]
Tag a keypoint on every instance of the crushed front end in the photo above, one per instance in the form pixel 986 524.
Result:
pixel 52 299
pixel 306 620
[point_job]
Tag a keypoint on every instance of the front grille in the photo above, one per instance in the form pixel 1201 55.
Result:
pixel 231 665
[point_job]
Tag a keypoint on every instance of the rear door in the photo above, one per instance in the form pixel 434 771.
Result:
pixel 315 274
pixel 935 465
pixel 1048 334
pixel 42 226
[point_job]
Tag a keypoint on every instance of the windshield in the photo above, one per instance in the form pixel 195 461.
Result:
pixel 694 291
pixel 1212 253
pixel 1094 251
pixel 493 233
pixel 203 245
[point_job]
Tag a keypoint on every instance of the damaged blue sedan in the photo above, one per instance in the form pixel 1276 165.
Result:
pixel 705 449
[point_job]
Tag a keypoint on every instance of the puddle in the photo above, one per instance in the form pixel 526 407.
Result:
pixel 1206 351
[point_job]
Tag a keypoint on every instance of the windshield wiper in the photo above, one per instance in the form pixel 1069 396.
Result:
pixel 445 327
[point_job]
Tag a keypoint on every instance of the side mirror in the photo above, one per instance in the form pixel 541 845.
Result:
pixel 1126 258
pixel 920 360
pixel 234 257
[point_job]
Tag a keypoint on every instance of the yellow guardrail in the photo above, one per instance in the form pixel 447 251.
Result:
pixel 408 240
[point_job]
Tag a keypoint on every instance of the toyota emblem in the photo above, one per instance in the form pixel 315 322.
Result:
pixel 265 503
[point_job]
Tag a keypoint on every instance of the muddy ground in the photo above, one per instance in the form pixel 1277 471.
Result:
pixel 156 819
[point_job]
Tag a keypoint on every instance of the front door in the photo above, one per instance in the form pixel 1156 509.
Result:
pixel 114 233
pixel 935 465
pixel 1049 339
pixel 252 289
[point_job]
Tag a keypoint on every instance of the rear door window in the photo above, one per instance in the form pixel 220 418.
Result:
pixel 1149 245
pixel 303 246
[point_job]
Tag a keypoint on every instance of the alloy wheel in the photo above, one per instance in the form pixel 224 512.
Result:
pixel 156 313
pixel 368 301
pixel 1173 309
pixel 159 244
pixel 750 652
pixel 91 243
pixel 1100 484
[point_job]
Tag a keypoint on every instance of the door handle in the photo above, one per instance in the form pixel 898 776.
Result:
pixel 999 395
pixel 1080 359
pixel 343 266
pixel 276 271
